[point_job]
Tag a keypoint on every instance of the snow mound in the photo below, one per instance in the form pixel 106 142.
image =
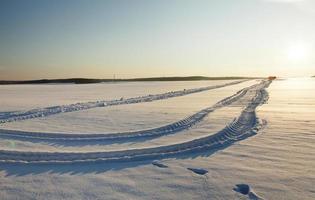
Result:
pixel 199 171
pixel 159 164
pixel 245 189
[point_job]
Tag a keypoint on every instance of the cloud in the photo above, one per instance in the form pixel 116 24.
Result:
pixel 306 6
pixel 286 1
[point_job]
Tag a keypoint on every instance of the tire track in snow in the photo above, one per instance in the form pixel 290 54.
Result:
pixel 247 124
pixel 155 132
pixel 44 112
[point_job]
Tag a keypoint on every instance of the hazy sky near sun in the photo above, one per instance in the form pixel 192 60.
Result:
pixel 96 39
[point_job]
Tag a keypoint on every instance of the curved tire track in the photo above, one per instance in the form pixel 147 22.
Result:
pixel 244 126
pixel 44 112
pixel 155 132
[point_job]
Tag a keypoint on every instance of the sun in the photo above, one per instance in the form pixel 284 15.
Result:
pixel 298 52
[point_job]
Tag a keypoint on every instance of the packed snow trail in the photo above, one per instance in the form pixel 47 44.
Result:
pixel 155 132
pixel 44 112
pixel 244 126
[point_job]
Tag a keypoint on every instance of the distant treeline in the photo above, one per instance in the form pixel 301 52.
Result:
pixel 88 80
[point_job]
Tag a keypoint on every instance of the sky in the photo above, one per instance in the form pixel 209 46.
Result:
pixel 150 38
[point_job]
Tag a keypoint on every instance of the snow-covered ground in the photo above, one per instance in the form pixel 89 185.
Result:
pixel 200 143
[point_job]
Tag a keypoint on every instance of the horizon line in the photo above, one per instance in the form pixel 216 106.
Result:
pixel 98 80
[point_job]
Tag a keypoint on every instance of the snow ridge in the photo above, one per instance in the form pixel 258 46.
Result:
pixel 247 124
pixel 44 112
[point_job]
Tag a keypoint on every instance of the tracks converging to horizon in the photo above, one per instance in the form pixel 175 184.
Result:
pixel 174 127
pixel 6 117
pixel 245 125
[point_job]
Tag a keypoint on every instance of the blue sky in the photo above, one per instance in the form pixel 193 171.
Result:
pixel 96 39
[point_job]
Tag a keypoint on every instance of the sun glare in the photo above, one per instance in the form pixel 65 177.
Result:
pixel 298 52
